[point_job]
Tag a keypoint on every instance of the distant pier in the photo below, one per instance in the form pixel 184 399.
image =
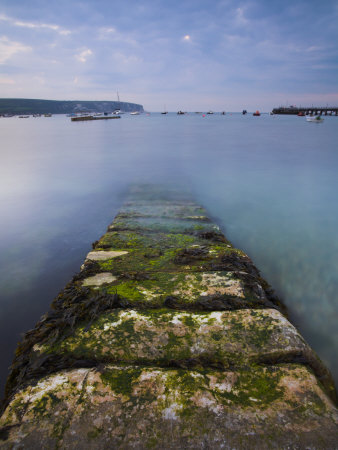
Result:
pixel 82 118
pixel 315 110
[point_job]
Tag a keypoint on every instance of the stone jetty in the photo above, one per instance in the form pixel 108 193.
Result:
pixel 168 338
pixel 312 110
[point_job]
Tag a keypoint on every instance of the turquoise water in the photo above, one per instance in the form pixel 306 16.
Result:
pixel 271 183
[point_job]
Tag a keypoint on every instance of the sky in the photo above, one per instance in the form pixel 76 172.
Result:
pixel 190 55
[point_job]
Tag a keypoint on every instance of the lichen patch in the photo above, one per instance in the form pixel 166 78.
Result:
pixel 99 279
pixel 104 255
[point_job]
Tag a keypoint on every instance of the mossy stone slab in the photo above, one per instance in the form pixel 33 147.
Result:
pixel 201 290
pixel 157 193
pixel 162 225
pixel 188 211
pixel 186 339
pixel 129 239
pixel 145 407
pixel 193 258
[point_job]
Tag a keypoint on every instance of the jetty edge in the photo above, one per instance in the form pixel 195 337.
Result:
pixel 307 110
pixel 168 337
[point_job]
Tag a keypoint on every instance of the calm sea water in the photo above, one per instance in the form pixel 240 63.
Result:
pixel 271 183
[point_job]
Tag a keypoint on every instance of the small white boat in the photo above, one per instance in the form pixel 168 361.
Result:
pixel 317 119
pixel 134 113
pixel 210 112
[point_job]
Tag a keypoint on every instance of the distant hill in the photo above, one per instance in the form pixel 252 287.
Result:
pixel 33 106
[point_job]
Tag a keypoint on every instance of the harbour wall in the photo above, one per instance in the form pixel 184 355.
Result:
pixel 311 110
pixel 168 337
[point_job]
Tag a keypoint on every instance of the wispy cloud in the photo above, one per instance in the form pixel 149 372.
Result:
pixel 9 48
pixel 6 80
pixel 240 18
pixel 162 52
pixel 83 55
pixel 114 35
pixel 34 25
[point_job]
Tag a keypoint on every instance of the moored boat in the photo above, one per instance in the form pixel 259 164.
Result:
pixel 257 113
pixel 317 119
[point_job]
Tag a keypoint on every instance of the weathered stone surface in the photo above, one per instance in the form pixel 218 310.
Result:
pixel 99 279
pixel 140 407
pixel 221 339
pixel 104 255
pixel 193 290
pixel 167 338
pixel 162 224
pixel 130 239
pixel 185 210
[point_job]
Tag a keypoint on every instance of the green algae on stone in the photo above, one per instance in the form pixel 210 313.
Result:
pixel 185 211
pixel 121 381
pixel 163 337
pixel 130 406
pixel 199 290
pixel 193 258
pixel 159 224
pixel 127 239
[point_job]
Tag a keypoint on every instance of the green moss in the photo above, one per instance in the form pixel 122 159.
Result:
pixel 59 429
pixel 173 341
pixel 152 442
pixel 43 405
pixel 94 433
pixel 121 381
pixel 255 387
pixel 127 290
pixel 216 336
pixel 189 321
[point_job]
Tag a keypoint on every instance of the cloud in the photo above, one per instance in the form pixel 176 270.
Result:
pixel 240 17
pixel 314 48
pixel 125 62
pixel 34 25
pixel 83 56
pixel 106 31
pixel 5 80
pixel 112 34
pixel 9 48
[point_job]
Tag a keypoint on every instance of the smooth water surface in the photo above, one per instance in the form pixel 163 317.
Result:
pixel 270 182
